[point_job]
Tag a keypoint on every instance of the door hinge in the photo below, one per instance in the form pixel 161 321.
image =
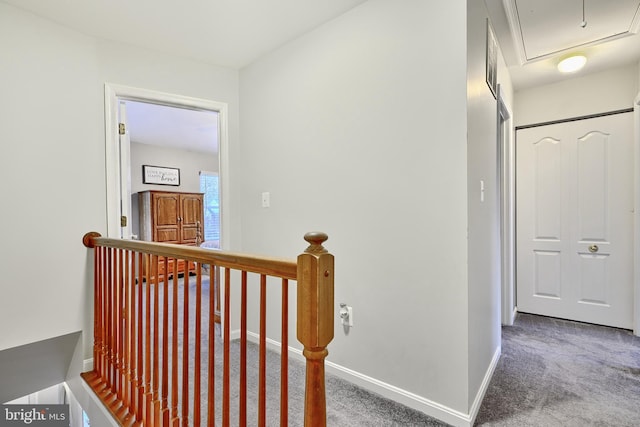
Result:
pixel 123 221
pixel 121 128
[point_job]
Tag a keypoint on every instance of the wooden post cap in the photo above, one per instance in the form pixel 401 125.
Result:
pixel 315 240
pixel 87 239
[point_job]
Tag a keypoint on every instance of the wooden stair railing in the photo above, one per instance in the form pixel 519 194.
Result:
pixel 142 372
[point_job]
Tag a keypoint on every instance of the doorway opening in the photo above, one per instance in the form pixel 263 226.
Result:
pixel 185 135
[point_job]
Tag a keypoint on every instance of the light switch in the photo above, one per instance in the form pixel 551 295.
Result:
pixel 481 190
pixel 266 199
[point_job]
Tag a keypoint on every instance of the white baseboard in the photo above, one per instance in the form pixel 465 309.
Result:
pixel 473 413
pixel 407 398
pixel 412 400
pixel 87 365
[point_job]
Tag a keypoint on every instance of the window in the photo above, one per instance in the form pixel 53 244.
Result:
pixel 209 186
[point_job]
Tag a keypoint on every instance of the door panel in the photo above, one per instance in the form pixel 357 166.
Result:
pixel 548 276
pixel 575 220
pixel 191 218
pixel 548 173
pixel 166 213
pixel 593 186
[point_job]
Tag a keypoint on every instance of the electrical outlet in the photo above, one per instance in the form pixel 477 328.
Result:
pixel 346 314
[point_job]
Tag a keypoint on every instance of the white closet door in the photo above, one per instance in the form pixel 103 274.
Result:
pixel 575 220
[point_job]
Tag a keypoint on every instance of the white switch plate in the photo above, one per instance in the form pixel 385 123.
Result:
pixel 266 199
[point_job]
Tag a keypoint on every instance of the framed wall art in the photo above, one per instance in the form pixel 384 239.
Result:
pixel 492 60
pixel 160 175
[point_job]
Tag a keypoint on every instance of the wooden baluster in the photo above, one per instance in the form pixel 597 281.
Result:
pixel 175 420
pixel 118 325
pixel 226 359
pixel 147 341
pixel 243 351
pixel 105 325
pixel 98 312
pixel 119 406
pixel 315 322
pixel 110 355
pixel 140 334
pixel 132 332
pixel 211 394
pixel 262 373
pixel 126 372
pixel 155 349
pixel 165 345
pixel 284 357
pixel 185 353
pixel 197 350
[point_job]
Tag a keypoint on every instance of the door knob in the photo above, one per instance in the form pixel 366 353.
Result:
pixel 593 248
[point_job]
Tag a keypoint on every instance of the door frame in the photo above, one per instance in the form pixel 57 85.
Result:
pixel 636 216
pixel 506 209
pixel 115 93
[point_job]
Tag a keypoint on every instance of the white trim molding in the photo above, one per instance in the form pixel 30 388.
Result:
pixel 477 402
pixel 636 216
pixel 113 93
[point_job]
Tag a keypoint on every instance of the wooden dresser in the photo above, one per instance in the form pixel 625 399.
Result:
pixel 171 217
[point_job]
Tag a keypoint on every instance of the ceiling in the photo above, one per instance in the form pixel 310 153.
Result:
pixel 165 126
pixel 533 35
pixel 230 33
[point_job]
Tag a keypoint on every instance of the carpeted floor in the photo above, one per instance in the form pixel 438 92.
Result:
pixel 560 373
pixel 551 373
pixel 347 404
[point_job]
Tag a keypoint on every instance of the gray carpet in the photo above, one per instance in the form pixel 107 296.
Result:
pixel 561 373
pixel 552 373
pixel 347 404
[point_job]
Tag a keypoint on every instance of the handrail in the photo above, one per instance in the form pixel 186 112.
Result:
pixel 280 267
pixel 128 282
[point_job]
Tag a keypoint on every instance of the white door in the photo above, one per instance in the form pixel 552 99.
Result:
pixel 125 172
pixel 574 212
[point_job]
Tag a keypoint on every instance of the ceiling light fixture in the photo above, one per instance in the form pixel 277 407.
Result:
pixel 572 63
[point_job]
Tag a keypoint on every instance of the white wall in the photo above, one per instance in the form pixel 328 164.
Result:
pixel 53 162
pixel 578 96
pixel 190 164
pixel 358 129
pixel 484 232
pixel 52 175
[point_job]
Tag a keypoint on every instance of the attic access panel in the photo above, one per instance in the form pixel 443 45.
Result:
pixel 548 27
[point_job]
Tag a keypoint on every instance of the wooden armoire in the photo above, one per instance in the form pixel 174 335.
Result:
pixel 171 217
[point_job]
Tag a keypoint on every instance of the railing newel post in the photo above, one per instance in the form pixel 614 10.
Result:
pixel 315 311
